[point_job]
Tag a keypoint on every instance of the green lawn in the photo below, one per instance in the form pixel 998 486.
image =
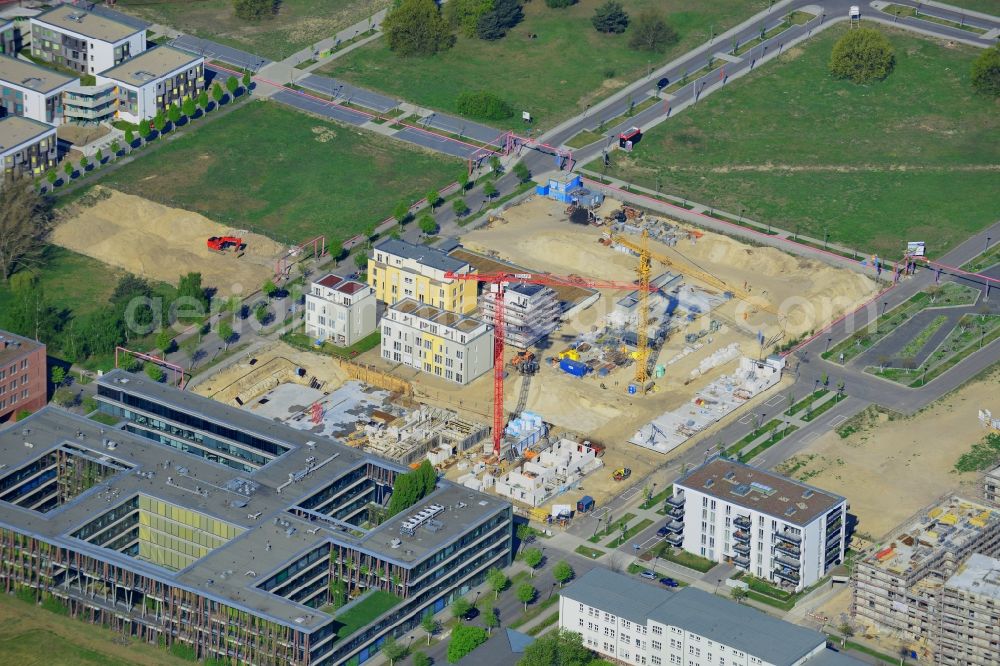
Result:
pixel 613 527
pixel 592 553
pixel 911 158
pixel 26 649
pixel 71 281
pixel 985 6
pixel 686 559
pixel 553 76
pixel 297 24
pixel 362 614
pixel 620 538
pixel 286 174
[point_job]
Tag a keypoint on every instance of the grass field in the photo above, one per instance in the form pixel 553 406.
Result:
pixel 553 76
pixel 286 174
pixel 71 281
pixel 298 23
pixel 31 636
pixel 910 158
pixel 985 6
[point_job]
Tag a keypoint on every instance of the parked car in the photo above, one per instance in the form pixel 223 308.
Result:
pixel 662 531
pixel 669 582
pixel 648 575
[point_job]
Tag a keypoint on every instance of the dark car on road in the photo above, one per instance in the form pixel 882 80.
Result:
pixel 662 531
pixel 669 582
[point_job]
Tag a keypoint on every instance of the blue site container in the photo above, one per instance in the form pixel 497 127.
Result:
pixel 542 190
pixel 572 367
pixel 585 504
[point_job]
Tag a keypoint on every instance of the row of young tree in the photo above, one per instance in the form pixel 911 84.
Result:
pixel 411 487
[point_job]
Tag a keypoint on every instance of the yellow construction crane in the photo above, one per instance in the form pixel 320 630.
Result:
pixel 644 272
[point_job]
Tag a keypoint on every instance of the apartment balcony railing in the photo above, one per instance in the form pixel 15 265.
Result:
pixel 675 539
pixel 789 537
pixel 740 535
pixel 788 549
pixel 743 521
pixel 677 512
pixel 742 562
pixel 743 548
pixel 788 562
pixel 675 526
pixel 676 500
pixel 787 574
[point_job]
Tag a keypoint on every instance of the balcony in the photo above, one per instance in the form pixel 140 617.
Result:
pixel 677 512
pixel 743 521
pixel 675 539
pixel 742 562
pixel 788 563
pixel 789 537
pixel 787 575
pixel 787 549
pixel 740 535
pixel 676 500
pixel 675 526
pixel 742 548
pixel 834 525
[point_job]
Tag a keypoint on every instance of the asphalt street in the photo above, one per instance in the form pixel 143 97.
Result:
pixel 216 51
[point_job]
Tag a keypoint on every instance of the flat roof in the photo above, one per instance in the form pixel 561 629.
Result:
pixel 428 256
pixel 760 490
pixel 436 315
pixel 89 24
pixel 13 346
pixel 735 625
pixel 151 65
pixel 31 76
pixel 16 130
pixel 980 574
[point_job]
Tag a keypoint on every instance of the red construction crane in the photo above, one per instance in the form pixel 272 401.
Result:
pixel 500 282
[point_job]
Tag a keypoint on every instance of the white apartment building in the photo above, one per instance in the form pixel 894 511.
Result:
pixel 340 311
pixel 31 91
pixel 770 526
pixel 84 41
pixel 633 622
pixel 154 80
pixel 452 346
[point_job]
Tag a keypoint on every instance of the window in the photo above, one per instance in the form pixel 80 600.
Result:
pixel 655 661
pixel 657 630
pixel 657 645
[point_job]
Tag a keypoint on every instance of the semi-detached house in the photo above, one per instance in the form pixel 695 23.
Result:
pixel 85 42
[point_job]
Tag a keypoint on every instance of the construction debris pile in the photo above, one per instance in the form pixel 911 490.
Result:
pixel 548 473
pixel 673 428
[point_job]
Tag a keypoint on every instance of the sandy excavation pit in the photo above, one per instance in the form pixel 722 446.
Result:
pixel 161 243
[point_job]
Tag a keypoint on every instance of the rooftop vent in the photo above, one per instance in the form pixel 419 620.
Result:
pixel 410 525
pixel 782 499
pixel 31 82
pixel 730 475
pixel 709 483
pixel 76 16
pixel 790 511
pixel 143 75
pixel 742 490
pixel 807 493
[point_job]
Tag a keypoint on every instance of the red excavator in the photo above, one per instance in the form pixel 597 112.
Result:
pixel 223 244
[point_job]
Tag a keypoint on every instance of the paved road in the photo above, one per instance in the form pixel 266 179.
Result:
pixel 216 51
pixel 345 92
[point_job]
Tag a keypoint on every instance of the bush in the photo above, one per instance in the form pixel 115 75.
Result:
pixel 484 105
pixel 154 372
pixel 254 10
pixel 651 33
pixel 862 56
pixel 464 639
pixel 986 72
pixel 560 4
pixel 496 23
pixel 464 15
pixel 610 17
pixel 416 27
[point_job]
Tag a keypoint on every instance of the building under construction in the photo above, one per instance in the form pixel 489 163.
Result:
pixel 530 312
pixel 918 589
pixel 199 524
pixel 411 437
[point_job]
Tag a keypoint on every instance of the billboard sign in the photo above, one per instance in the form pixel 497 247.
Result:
pixel 915 248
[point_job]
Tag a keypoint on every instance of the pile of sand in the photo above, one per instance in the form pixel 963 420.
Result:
pixel 161 243
pixel 891 468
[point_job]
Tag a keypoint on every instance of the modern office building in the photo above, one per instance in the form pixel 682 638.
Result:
pixel 23 376
pixel 766 524
pixel 154 80
pixel 27 147
pixel 32 91
pixel 398 270
pixel 902 588
pixel 631 622
pixel 443 343
pixel 530 312
pixel 143 530
pixel 340 311
pixel 72 37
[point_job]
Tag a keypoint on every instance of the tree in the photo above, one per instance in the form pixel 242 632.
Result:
pixel 460 607
pixel 427 225
pixel 429 625
pixel 247 80
pixel 433 197
pixel 58 375
pixel 262 314
pixel 986 72
pixel 338 592
pixel 522 172
pixel 98 156
pixel 460 207
pixel 401 212
pixel 497 581
pixel 269 288
pixel 160 121
pixel 203 100
pixel 491 619
pixel 254 10
pixel 25 222
pixel 428 477
pixel 217 93
pixel 189 287
pixel 164 340
pixel 464 639
pixel 22 414
pixel 144 130
pixel 129 136
pixel 526 593
pixel 496 23
pixel 560 4
pixel 525 533
pixel 651 33
pixel 532 557
pixel 154 372
pixel 610 18
pixel 557 648
pixel 361 260
pixel 862 56
pixel 225 331
pixel 416 27
pixel 132 299
pixel 232 85
pixel 68 168
pixel 174 113
pixel 490 190
pixel 484 105
pixel 463 179
pixel 188 107
pixel 84 162
pixel 421 659
pixel 392 650
pixel 52 176
pixel 464 15
pixel 562 572
pixel 738 594
pixel 846 631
